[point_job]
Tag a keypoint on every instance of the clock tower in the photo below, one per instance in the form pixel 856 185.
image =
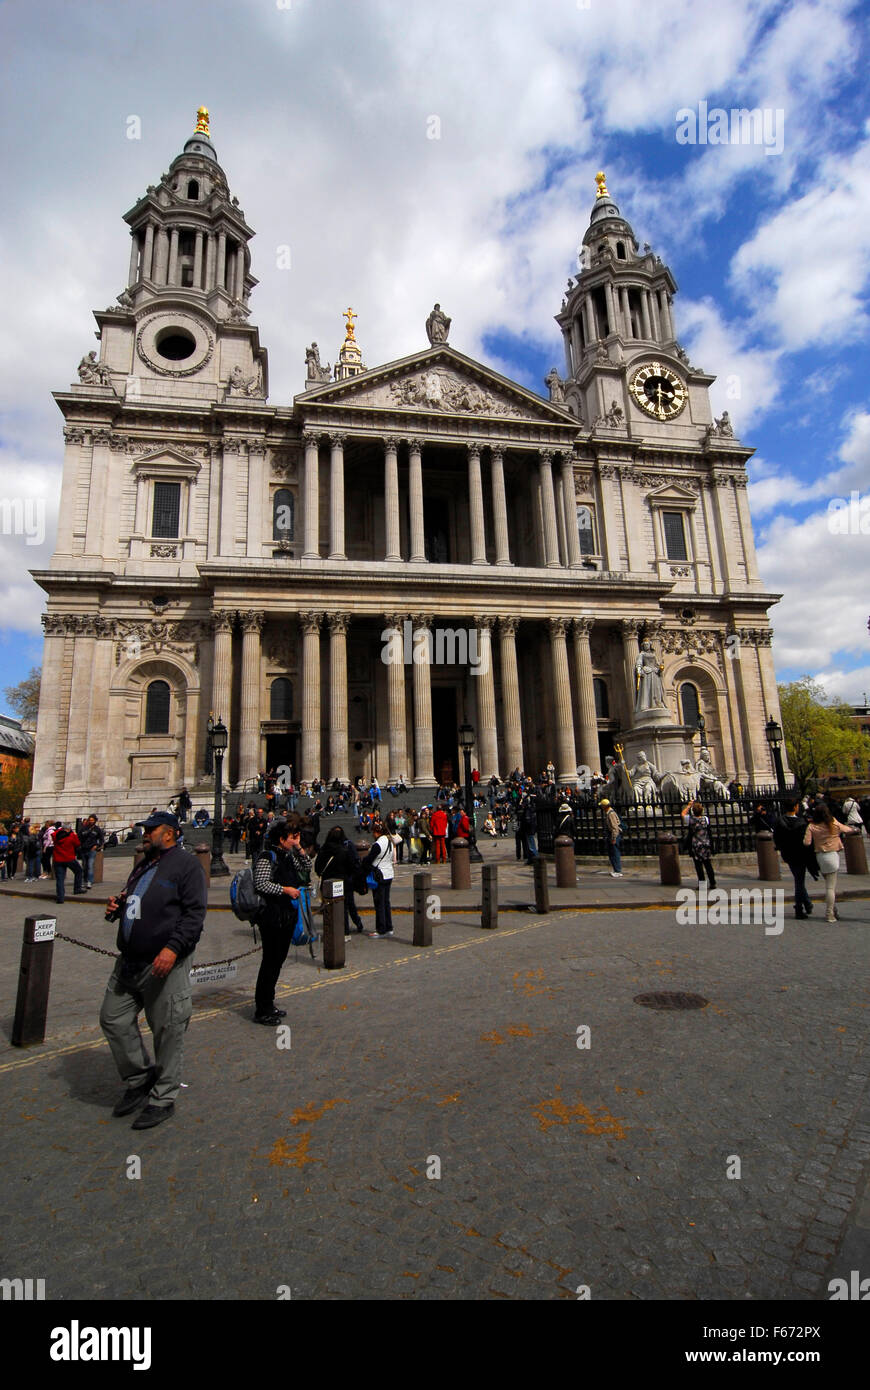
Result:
pixel 624 367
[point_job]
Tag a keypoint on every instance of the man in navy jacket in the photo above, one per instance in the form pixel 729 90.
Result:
pixel 161 913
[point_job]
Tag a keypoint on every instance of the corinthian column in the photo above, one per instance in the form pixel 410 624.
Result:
pixel 396 707
pixel 589 753
pixel 424 774
pixel 338 763
pixel 510 694
pixel 548 500
pixel 391 498
pixel 311 500
pixel 499 509
pixel 566 757
pixel 630 650
pixel 475 507
pixel 569 503
pixel 249 734
pixel 485 678
pixel 310 696
pixel 336 498
pixel 222 680
pixel 415 490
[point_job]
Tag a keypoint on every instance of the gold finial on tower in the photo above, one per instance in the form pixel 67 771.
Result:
pixel 202 121
pixel 602 185
pixel 350 316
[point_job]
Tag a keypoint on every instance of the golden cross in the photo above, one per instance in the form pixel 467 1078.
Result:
pixel 350 316
pixel 602 185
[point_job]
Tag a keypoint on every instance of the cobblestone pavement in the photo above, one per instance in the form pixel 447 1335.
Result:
pixel 435 1131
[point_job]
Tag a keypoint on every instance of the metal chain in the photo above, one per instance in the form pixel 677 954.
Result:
pixel 86 945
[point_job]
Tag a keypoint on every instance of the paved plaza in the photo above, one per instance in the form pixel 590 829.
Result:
pixel 442 1125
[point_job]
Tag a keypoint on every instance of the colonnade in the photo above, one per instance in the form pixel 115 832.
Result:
pixel 156 257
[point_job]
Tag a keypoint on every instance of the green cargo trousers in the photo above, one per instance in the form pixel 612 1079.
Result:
pixel 168 1005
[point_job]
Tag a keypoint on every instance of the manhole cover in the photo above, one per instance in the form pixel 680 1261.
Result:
pixel 671 1000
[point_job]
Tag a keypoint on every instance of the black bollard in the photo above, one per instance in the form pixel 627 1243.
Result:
pixel 422 920
pixel 566 864
pixel 489 896
pixel 542 891
pixel 669 859
pixel 334 914
pixel 768 859
pixel 460 865
pixel 34 980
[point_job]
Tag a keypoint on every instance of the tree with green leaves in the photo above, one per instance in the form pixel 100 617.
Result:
pixel 24 697
pixel 821 738
pixel 15 783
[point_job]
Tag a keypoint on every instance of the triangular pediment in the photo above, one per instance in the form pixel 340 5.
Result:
pixel 167 459
pixel 673 492
pixel 439 381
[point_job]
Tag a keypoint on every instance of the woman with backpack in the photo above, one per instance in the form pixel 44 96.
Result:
pixel 280 871
pixel 823 833
pixel 698 842
pixel 379 864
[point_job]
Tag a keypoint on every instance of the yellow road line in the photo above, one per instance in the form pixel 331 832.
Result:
pixel 333 978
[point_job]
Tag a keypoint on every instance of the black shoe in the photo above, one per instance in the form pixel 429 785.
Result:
pixel 282 1013
pixel 270 1020
pixel 808 908
pixel 800 916
pixel 153 1115
pixel 135 1095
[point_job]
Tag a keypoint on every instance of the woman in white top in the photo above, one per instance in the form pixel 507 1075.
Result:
pixel 380 863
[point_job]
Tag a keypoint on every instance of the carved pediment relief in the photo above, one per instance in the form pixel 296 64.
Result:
pixel 168 461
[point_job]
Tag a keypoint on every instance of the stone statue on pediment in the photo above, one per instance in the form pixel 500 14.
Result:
pixel 437 326
pixel 556 386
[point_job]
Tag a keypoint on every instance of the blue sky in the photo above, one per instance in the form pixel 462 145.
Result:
pixel 322 119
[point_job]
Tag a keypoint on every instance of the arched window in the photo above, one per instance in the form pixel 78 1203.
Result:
pixel 586 530
pixel 281 699
pixel 193 190
pixel 602 705
pixel 690 705
pixel 282 515
pixel 157 708
pixel 620 251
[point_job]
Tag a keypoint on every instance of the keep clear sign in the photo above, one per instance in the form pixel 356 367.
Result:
pixel 213 974
pixel 44 928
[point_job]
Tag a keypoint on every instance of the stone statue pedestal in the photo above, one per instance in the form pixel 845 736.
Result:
pixel 666 745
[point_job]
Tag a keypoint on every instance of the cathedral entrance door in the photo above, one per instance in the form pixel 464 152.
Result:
pixel 445 727
pixel 281 752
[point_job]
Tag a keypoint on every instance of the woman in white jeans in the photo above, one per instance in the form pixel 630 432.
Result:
pixel 823 833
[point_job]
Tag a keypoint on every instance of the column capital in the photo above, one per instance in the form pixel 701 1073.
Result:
pixel 507 626
pixel 422 619
pixel 630 627
pixel 496 451
pixel 395 620
pixel 583 626
pixel 473 449
pixel 224 619
pixel 487 622
pixel 338 622
pixel 252 621
pixel 310 621
pixel 415 445
pixel 337 439
pixel 311 439
pixel 391 443
pixel 558 626
pixel 546 456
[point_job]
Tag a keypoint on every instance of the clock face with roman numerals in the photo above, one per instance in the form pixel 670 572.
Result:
pixel 658 391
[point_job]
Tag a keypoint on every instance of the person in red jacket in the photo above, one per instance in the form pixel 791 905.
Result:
pixel 66 846
pixel 438 825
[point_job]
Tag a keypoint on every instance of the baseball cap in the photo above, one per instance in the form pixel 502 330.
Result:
pixel 160 818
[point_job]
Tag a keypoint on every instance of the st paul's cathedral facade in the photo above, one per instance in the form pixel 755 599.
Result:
pixel 221 554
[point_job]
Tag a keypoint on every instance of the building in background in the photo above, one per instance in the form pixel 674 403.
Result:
pixel 218 552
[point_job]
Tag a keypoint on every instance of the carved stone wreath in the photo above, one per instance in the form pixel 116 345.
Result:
pixel 146 346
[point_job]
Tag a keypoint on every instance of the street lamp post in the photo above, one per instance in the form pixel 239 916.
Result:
pixel 466 742
pixel 218 739
pixel 773 734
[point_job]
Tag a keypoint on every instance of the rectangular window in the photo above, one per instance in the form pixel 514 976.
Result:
pixel 675 536
pixel 586 530
pixel 167 506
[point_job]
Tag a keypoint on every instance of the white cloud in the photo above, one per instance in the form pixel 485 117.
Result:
pixel 748 378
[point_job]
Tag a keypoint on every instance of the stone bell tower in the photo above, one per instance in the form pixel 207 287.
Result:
pixel 624 366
